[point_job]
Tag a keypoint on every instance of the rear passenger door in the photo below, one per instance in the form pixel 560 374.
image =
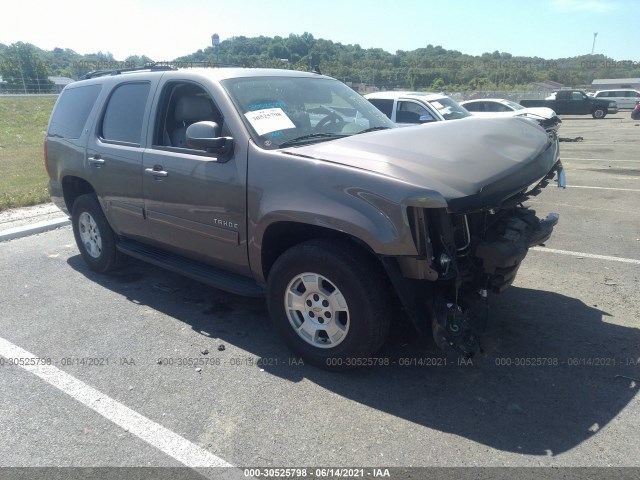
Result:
pixel 618 97
pixel 114 155
pixel 630 98
pixel 195 201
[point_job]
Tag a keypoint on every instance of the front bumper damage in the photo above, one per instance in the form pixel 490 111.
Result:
pixel 465 256
pixel 489 265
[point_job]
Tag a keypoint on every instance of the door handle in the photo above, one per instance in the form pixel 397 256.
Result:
pixel 156 171
pixel 96 161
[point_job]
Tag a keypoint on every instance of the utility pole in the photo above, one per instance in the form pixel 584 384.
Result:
pixel 593 48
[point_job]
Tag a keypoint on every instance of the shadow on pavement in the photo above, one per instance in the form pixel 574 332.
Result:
pixel 546 381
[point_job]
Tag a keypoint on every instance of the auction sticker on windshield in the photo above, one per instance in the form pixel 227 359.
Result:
pixel 269 120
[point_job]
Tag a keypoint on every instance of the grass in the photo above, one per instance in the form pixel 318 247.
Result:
pixel 23 122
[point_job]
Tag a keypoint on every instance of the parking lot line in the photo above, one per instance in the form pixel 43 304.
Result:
pixel 583 207
pixel 606 188
pixel 153 433
pixel 574 159
pixel 582 144
pixel 587 255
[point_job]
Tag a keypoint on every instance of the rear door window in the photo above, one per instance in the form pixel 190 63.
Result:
pixel 122 121
pixel 475 106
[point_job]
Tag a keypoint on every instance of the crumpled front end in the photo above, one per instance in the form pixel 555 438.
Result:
pixel 467 255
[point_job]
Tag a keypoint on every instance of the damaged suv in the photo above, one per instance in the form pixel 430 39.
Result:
pixel 291 185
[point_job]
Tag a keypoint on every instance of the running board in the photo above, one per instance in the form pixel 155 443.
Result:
pixel 214 277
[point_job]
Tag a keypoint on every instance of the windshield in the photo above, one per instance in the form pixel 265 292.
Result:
pixel 450 109
pixel 287 111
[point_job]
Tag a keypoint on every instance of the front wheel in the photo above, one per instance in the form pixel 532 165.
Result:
pixel 599 113
pixel 330 302
pixel 94 237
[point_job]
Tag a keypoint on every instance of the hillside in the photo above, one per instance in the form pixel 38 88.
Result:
pixel 431 67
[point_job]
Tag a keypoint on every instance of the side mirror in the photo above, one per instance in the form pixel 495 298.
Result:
pixel 426 118
pixel 206 136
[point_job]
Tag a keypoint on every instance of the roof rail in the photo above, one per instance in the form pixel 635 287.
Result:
pixel 103 73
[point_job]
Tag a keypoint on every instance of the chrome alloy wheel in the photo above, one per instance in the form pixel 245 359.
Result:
pixel 317 310
pixel 90 235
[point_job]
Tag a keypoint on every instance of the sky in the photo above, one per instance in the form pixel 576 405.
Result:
pixel 164 30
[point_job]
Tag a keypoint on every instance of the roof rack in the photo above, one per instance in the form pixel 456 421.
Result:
pixel 102 73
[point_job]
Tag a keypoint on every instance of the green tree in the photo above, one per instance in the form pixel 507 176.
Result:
pixel 138 61
pixel 23 71
pixel 438 85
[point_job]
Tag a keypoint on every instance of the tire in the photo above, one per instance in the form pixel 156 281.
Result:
pixel 330 302
pixel 94 237
pixel 599 113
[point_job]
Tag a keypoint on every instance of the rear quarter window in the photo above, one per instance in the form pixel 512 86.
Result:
pixel 72 110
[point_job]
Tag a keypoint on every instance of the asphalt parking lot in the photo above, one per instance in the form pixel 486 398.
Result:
pixel 152 369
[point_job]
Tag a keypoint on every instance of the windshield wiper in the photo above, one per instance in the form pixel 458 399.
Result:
pixel 310 137
pixel 373 129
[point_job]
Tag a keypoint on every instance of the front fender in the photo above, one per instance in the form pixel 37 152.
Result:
pixel 365 205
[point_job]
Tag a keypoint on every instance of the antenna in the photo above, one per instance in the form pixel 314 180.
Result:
pixel 595 34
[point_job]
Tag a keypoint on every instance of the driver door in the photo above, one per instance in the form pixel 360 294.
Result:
pixel 195 201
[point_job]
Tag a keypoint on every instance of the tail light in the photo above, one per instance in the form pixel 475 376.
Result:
pixel 46 162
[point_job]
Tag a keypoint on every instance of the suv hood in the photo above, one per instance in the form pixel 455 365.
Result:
pixel 490 159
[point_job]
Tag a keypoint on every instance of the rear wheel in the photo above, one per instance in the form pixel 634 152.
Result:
pixel 599 113
pixel 330 303
pixel 94 237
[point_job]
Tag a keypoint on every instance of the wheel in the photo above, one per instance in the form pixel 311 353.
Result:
pixel 599 113
pixel 330 302
pixel 330 121
pixel 94 237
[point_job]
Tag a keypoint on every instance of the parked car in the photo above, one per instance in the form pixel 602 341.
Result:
pixel 575 102
pixel 625 98
pixel 411 108
pixel 635 113
pixel 290 185
pixel 546 117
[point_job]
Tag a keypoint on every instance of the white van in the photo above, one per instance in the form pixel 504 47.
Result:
pixel 625 98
